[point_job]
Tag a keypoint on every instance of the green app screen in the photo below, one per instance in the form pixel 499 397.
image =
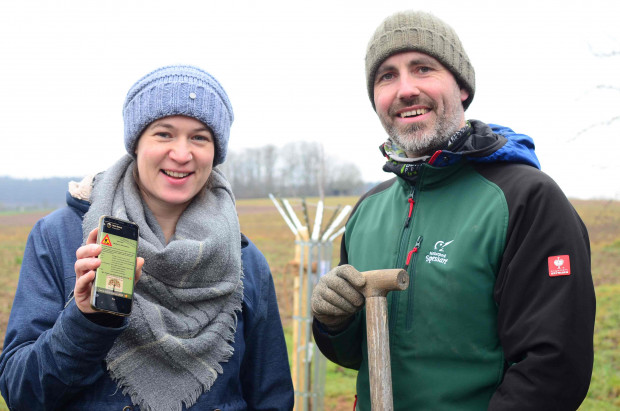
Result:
pixel 118 258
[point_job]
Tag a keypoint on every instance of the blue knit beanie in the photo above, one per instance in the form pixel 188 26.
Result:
pixel 178 90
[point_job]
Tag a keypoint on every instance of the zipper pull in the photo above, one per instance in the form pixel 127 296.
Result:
pixel 411 202
pixel 415 249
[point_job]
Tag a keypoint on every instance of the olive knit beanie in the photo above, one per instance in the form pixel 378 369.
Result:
pixel 423 32
pixel 178 90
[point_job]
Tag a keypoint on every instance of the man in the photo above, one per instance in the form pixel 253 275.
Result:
pixel 499 313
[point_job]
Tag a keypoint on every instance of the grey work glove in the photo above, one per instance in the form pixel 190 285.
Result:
pixel 337 297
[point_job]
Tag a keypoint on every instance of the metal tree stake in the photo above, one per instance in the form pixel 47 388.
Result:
pixel 313 255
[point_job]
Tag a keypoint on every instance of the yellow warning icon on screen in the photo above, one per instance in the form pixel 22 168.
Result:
pixel 106 240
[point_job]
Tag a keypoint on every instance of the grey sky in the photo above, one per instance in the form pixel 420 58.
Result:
pixel 295 71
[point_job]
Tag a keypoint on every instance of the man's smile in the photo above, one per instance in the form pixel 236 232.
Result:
pixel 413 113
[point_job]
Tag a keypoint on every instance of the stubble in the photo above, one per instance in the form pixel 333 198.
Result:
pixel 423 139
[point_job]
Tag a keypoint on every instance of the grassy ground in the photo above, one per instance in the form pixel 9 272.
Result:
pixel 603 221
pixel 261 222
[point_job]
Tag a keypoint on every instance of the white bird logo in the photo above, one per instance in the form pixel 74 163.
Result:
pixel 441 245
pixel 558 262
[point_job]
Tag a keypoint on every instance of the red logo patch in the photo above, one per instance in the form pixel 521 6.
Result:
pixel 559 265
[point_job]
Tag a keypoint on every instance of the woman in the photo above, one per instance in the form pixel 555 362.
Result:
pixel 204 332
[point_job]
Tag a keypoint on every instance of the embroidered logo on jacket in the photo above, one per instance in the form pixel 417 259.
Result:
pixel 559 265
pixel 438 255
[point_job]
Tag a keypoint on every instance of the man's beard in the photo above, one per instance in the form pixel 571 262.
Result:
pixel 420 140
pixel 417 141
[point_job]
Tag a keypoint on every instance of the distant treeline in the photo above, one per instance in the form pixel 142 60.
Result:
pixel 44 193
pixel 297 169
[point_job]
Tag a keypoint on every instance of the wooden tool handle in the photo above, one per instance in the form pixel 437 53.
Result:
pixel 379 367
pixel 380 282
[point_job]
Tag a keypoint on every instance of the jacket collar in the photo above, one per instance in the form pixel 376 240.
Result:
pixel 476 142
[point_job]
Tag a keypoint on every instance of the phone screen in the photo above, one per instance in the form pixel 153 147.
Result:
pixel 114 280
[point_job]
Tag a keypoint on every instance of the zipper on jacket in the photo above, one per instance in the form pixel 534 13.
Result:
pixel 413 251
pixel 411 203
pixel 404 239
pixel 412 258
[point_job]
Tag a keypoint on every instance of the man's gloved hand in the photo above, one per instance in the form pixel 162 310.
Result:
pixel 337 297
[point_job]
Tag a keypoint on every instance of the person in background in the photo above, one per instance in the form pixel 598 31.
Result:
pixel 205 331
pixel 499 313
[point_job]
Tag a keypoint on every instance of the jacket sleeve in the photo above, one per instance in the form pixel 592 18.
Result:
pixel 345 347
pixel 546 302
pixel 50 352
pixel 265 372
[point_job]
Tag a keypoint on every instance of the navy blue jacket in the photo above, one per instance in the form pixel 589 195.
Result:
pixel 53 355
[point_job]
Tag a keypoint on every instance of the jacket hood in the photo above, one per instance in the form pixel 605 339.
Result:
pixel 492 143
pixel 77 205
pixel 78 195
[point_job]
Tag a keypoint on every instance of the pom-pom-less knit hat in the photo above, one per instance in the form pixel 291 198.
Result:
pixel 178 90
pixel 423 32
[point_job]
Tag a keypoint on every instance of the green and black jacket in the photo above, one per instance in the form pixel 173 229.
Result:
pixel 499 313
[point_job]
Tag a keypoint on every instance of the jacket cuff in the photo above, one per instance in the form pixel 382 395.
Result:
pixel 334 329
pixel 80 331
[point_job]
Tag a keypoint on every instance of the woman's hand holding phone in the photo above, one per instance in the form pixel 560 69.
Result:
pixel 85 267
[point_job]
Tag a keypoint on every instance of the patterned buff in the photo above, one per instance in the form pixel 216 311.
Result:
pixel 408 168
pixel 184 312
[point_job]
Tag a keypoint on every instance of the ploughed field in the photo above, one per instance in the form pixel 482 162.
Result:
pixel 262 223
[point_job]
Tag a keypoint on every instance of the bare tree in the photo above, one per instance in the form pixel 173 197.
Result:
pixel 343 179
pixel 297 169
pixel 612 119
pixel 269 159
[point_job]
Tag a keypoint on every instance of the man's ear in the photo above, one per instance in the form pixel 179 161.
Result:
pixel 464 94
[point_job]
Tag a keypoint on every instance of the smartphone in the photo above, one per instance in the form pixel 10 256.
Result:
pixel 112 290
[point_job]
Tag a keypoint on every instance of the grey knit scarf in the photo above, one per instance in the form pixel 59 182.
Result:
pixel 185 304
